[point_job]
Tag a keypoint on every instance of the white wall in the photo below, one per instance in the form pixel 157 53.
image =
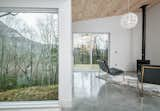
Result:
pixel 152 36
pixel 65 41
pixel 120 39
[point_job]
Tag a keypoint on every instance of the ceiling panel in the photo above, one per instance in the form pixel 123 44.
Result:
pixel 91 9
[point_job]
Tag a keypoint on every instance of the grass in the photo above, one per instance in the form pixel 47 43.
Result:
pixel 86 67
pixel 36 93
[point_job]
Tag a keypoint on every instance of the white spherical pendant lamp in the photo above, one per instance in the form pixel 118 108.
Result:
pixel 129 20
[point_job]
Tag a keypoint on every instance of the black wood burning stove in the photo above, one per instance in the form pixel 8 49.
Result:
pixel 143 61
pixel 140 63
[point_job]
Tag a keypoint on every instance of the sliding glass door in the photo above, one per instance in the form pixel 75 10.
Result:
pixel 90 47
pixel 28 56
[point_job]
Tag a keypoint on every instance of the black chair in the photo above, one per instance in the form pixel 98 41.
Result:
pixel 111 71
pixel 149 74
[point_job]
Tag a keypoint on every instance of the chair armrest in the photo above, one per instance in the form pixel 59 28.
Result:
pixel 151 66
pixel 148 68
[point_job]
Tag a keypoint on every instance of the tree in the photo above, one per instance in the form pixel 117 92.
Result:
pixel 50 38
pixel 31 62
pixel 2 79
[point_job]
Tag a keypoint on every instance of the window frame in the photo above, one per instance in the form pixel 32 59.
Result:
pixel 65 45
pixel 29 104
pixel 109 40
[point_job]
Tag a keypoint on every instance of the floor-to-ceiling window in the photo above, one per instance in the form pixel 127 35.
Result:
pixel 90 47
pixel 28 55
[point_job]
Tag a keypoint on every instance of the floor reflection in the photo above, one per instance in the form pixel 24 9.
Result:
pixel 93 94
pixel 86 84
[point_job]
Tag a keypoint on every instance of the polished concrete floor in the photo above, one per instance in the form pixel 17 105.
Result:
pixel 93 94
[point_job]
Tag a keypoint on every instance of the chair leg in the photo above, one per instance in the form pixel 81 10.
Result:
pixel 138 88
pixel 142 90
pixel 137 85
pixel 99 71
pixel 142 78
pixel 124 76
pixel 107 76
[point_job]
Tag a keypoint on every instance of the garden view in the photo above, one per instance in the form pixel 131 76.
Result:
pixel 88 48
pixel 28 56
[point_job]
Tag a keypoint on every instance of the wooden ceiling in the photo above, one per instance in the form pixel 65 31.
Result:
pixel 91 9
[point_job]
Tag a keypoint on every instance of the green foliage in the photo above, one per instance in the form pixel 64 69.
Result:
pixel 28 59
pixel 82 56
pixel 20 68
pixel 37 93
pixel 54 55
pixel 99 55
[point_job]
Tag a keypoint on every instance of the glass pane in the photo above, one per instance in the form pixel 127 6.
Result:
pixel 90 47
pixel 28 56
pixel 101 46
pixel 81 49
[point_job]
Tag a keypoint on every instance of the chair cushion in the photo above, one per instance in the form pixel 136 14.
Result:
pixel 115 71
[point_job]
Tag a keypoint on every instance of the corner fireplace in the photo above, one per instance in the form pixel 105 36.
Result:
pixel 143 61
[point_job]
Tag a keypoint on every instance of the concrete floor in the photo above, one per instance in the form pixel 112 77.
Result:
pixel 93 94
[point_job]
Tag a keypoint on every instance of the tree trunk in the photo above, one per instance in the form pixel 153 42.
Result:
pixel 2 60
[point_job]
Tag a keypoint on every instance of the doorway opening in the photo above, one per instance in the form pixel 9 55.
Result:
pixel 88 48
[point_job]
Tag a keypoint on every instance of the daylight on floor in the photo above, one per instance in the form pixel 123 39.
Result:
pixel 79 55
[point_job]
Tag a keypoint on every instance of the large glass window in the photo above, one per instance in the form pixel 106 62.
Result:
pixel 90 47
pixel 28 56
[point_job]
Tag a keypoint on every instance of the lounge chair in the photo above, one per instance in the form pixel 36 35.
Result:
pixel 111 71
